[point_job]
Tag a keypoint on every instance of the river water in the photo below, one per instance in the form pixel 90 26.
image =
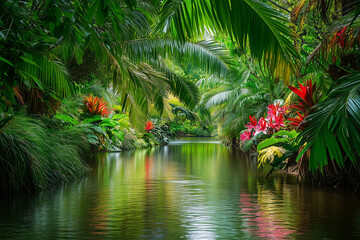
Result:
pixel 190 189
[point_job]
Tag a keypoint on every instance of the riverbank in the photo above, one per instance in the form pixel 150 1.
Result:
pixel 37 152
pixel 347 178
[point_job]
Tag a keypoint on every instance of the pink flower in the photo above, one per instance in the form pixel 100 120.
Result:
pixel 261 127
pixel 272 112
pixel 252 123
pixel 246 135
pixel 275 110
pixel 276 122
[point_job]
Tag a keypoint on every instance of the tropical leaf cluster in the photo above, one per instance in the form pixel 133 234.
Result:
pixel 333 128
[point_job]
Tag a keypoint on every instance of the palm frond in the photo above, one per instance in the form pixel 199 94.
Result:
pixel 218 98
pixel 190 115
pixel 333 131
pixel 209 55
pixel 45 71
pixel 248 22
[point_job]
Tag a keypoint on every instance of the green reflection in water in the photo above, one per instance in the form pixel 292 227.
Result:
pixel 186 190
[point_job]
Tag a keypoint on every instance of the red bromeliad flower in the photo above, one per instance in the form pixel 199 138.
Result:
pixel 306 93
pixel 246 135
pixel 252 124
pixel 96 106
pixel 149 126
pixel 305 103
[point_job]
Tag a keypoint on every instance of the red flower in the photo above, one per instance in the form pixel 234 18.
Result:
pixel 277 122
pixel 246 135
pixel 252 124
pixel 96 106
pixel 149 126
pixel 275 111
pixel 305 103
pixel 341 39
pixel 261 127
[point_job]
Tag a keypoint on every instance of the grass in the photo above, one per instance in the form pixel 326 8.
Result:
pixel 34 157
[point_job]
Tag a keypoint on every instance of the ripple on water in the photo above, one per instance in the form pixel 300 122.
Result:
pixel 190 189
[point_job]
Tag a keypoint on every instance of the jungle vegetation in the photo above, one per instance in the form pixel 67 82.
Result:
pixel 117 75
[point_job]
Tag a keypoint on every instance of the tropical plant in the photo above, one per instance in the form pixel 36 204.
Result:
pixel 96 106
pixel 258 129
pixel 231 100
pixel 333 131
pixel 34 157
pixel 278 149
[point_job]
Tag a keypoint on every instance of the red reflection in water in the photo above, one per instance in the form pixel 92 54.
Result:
pixel 260 223
pixel 100 218
pixel 148 168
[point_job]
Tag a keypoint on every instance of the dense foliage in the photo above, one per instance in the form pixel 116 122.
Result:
pixel 125 74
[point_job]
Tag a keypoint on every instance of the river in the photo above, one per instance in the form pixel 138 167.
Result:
pixel 190 189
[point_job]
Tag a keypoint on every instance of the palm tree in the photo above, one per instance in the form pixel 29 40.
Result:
pixel 234 98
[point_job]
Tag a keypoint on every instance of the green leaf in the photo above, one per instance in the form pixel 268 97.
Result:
pixel 119 134
pixel 66 118
pixel 28 60
pixel 290 134
pixel 270 141
pixel 246 146
pixel 333 129
pixel 6 61
pixel 92 119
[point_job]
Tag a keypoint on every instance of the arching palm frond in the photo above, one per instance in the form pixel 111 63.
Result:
pixel 248 22
pixel 232 99
pixel 209 55
pixel 210 82
pixel 45 71
pixel 218 98
pixel 333 129
pixel 190 115
pixel 184 89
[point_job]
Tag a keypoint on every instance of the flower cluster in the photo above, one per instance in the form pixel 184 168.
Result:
pixel 272 123
pixel 96 106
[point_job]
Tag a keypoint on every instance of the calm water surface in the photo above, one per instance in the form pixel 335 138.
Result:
pixel 190 189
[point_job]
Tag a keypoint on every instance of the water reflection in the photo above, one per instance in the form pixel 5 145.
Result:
pixel 181 191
